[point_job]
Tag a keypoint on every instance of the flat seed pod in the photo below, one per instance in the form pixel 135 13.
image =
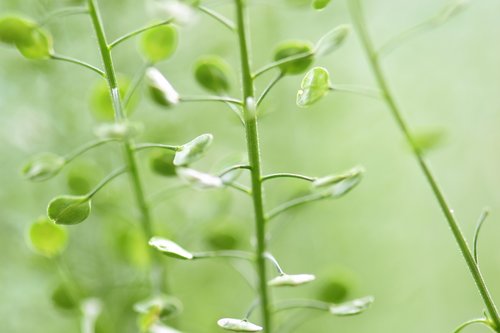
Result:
pixel 193 150
pixel 332 40
pixel 320 4
pixel 159 43
pixel 238 325
pixel 213 73
pixel 289 49
pixel 170 248
pixel 69 209
pixel 314 86
pixel 160 89
pixel 200 179
pixel 351 308
pixel 162 163
pixel 32 41
pixel 291 280
pixel 43 166
pixel 47 238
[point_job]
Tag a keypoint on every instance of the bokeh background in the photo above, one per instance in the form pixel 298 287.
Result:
pixel 387 238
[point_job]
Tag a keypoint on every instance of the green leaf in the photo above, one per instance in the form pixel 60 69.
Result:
pixel 47 238
pixel 213 73
pixel 320 4
pixel 120 131
pixel 238 325
pixel 351 308
pixel 293 48
pixel 160 89
pixel 332 40
pixel 69 209
pixel 32 41
pixel 162 163
pixel 43 166
pixel 314 86
pixel 63 299
pixel 193 150
pixel 101 104
pixel 170 248
pixel 159 43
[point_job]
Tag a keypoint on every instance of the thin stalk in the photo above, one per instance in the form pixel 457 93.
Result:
pixel 83 149
pixel 301 303
pixel 359 22
pixel 219 17
pixel 63 13
pixel 105 181
pixel 134 85
pixel 78 62
pixel 251 130
pixel 137 32
pixel 280 62
pixel 287 175
pixel 234 167
pixel 269 87
pixel 295 203
pixel 350 89
pixel 479 225
pixel 128 145
pixel 142 146
pixel 211 99
pixel 224 254
pixel 275 262
pixel 483 321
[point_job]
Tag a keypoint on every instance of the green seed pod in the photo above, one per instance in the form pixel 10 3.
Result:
pixel 225 236
pixel 159 43
pixel 293 48
pixel 351 308
pixel 69 209
pixel 332 40
pixel 320 4
pixel 160 89
pixel 62 298
pixel 193 150
pixel 119 131
pixel 213 73
pixel 32 41
pixel 43 167
pixel 287 280
pixel 336 287
pixel 238 325
pixel 47 238
pixel 162 163
pixel 314 86
pixel 170 248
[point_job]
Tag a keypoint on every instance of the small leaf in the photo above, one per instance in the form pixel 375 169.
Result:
pixel 160 89
pixel 162 163
pixel 286 280
pixel 119 131
pixel 314 86
pixel 69 209
pixel 47 238
pixel 32 41
pixel 170 248
pixel 212 73
pixel 62 298
pixel 351 308
pixel 332 40
pixel 159 43
pixel 200 179
pixel 193 150
pixel 294 48
pixel 320 4
pixel 43 167
pixel 238 325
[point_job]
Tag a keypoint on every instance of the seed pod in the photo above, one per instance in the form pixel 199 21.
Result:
pixel 162 163
pixel 62 298
pixel 212 73
pixel 294 48
pixel 193 150
pixel 170 248
pixel 286 280
pixel 314 86
pixel 159 43
pixel 69 209
pixel 43 167
pixel 238 325
pixel 160 89
pixel 200 179
pixel 332 40
pixel 32 41
pixel 320 4
pixel 353 307
pixel 47 238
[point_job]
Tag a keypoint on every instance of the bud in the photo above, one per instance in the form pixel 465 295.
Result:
pixel 161 90
pixel 286 280
pixel 43 167
pixel 314 86
pixel 193 150
pixel 170 248
pixel 293 48
pixel 212 73
pixel 352 308
pixel 332 40
pixel 69 209
pixel 238 325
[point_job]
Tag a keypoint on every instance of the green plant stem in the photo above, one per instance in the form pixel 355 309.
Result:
pixel 137 32
pixel 105 181
pixel 83 149
pixel 219 17
pixel 280 62
pixel 269 87
pixel 224 254
pixel 479 225
pixel 275 262
pixel 295 203
pixel 414 31
pixel 350 89
pixel 78 62
pixel 287 175
pixel 234 167
pixel 251 129
pixel 128 145
pixel 63 13
pixel 358 19
pixel 301 303
pixel 211 99
pixel 142 146
pixel 134 85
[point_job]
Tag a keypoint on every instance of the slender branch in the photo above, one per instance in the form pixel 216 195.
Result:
pixel 83 149
pixel 252 308
pixel 237 112
pixel 301 303
pixel 351 89
pixel 134 85
pixel 273 260
pixel 234 167
pixel 62 13
pixel 295 203
pixel 142 146
pixel 287 175
pixel 280 62
pixel 359 22
pixel 241 188
pixel 224 254
pixel 219 17
pixel 270 87
pixel 471 322
pixel 397 40
pixel 137 32
pixel 480 223
pixel 78 62
pixel 211 99
pixel 106 180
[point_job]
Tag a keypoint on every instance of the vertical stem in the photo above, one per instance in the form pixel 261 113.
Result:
pixel 358 18
pixel 129 154
pixel 251 128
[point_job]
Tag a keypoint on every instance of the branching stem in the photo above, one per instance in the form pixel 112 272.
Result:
pixel 78 63
pixel 137 32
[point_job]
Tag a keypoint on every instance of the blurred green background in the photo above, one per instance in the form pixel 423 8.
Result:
pixel 387 238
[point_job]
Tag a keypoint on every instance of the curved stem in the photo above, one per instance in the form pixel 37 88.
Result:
pixel 273 260
pixel 240 188
pixel 295 203
pixel 83 149
pixel 471 322
pixel 134 85
pixel 251 309
pixel 287 175
pixel 397 40
pixel 358 18
pixel 234 167
pixel 253 148
pixel 480 223
pixel 78 62
pixel 224 254
pixel 301 303
pixel 137 32
pixel 211 99
pixel 219 17
pixel 106 180
pixel 351 89
pixel 269 87
pixel 62 13
pixel 280 62
pixel 142 146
